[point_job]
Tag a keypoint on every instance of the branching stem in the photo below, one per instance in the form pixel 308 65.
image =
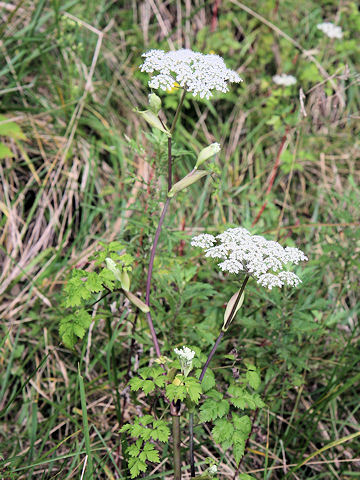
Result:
pixel 205 367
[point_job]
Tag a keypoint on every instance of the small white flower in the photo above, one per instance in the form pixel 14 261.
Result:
pixel 284 79
pixel 231 266
pixel 186 356
pixel 212 470
pixel 193 71
pixel 331 30
pixel 203 241
pixel 269 280
pixel 254 255
pixel 289 278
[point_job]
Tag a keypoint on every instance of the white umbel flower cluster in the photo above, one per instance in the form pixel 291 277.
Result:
pixel 186 356
pixel 284 80
pixel 195 72
pixel 331 30
pixel 253 255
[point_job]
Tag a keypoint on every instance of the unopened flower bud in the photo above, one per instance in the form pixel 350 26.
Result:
pixel 125 281
pixel 188 180
pixel 207 153
pixel 154 103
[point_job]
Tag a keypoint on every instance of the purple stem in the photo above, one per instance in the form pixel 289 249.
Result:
pixel 158 231
pixel 211 354
pixel 149 275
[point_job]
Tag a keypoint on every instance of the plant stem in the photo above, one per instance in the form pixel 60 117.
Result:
pixel 178 110
pixel 158 230
pixel 191 444
pixel 211 354
pixel 176 447
pixel 205 367
pixel 149 276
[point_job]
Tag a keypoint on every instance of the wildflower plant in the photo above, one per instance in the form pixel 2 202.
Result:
pixel 183 383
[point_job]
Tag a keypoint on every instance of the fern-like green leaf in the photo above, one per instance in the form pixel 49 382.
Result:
pixel 73 326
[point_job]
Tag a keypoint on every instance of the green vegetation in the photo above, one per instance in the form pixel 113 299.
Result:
pixel 83 182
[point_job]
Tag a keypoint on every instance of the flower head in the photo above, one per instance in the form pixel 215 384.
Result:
pixel 331 30
pixel 197 73
pixel 186 356
pixel 284 79
pixel 254 255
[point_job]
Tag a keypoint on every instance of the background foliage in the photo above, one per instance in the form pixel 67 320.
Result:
pixel 78 167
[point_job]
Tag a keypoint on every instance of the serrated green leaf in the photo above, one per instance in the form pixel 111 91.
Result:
pixel 175 392
pixel 74 326
pixel 243 424
pixel 238 450
pixel 107 278
pixel 136 466
pixel 223 408
pixel 93 282
pixel 245 476
pixel 126 427
pixel 212 409
pixel 238 402
pixel 193 388
pixel 152 455
pixel 160 431
pixel 208 381
pixel 148 386
pixel 146 419
pixel 137 430
pixel 160 381
pixel 223 431
pixel 75 290
pixel 133 450
pixel 135 383
pixel 79 331
pixel 258 401
pixel 253 379
pixel 208 411
pixel 215 395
